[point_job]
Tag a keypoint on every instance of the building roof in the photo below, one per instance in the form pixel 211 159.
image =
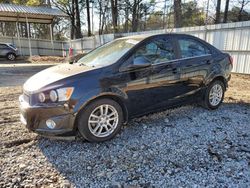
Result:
pixel 38 14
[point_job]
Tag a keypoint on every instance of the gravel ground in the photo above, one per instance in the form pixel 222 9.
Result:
pixel 185 147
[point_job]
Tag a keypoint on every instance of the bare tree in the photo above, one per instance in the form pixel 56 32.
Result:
pixel 88 18
pixel 136 14
pixel 78 33
pixel 114 9
pixel 103 9
pixel 177 13
pixel 217 15
pixel 69 8
pixel 243 3
pixel 226 11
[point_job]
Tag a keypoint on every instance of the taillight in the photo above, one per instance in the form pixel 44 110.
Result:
pixel 231 60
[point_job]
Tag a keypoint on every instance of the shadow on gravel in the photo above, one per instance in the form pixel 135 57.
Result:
pixel 185 146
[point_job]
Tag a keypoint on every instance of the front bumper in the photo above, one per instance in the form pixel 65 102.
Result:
pixel 35 117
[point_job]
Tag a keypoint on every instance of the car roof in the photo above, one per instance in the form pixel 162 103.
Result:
pixel 144 36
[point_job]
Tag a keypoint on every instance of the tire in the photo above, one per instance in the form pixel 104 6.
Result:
pixel 11 56
pixel 214 86
pixel 93 126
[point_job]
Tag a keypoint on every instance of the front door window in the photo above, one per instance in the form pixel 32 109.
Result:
pixel 157 51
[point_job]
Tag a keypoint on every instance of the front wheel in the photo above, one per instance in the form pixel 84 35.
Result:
pixel 11 56
pixel 101 120
pixel 214 95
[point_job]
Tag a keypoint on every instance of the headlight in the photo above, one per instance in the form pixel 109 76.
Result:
pixel 41 97
pixel 64 94
pixel 53 96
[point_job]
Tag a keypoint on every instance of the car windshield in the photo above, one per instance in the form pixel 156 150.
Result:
pixel 108 53
pixel 11 45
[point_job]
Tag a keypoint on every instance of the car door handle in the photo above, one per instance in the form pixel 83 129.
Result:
pixel 209 62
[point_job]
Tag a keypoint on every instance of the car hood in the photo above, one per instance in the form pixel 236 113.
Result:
pixel 53 74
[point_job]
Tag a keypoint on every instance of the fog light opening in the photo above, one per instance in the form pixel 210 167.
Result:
pixel 50 124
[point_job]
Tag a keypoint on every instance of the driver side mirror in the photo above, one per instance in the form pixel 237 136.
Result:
pixel 139 62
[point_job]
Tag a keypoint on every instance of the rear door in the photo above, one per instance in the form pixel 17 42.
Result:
pixel 195 62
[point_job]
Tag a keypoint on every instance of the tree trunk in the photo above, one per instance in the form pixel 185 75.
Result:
pixel 114 10
pixel 226 11
pixel 134 16
pixel 88 18
pixel 25 30
pixel 72 16
pixel 72 31
pixel 126 20
pixel 78 20
pixel 48 3
pixel 2 28
pixel 217 16
pixel 100 16
pixel 177 13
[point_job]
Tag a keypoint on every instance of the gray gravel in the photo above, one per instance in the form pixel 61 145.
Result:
pixel 184 147
pixel 187 147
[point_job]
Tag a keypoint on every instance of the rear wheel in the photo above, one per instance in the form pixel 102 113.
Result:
pixel 11 56
pixel 214 95
pixel 101 120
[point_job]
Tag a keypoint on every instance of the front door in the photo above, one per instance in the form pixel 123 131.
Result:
pixel 154 86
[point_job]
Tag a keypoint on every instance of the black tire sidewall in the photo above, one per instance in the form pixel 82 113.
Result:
pixel 207 102
pixel 11 54
pixel 82 122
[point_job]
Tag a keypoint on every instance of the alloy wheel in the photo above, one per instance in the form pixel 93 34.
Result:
pixel 215 95
pixel 103 120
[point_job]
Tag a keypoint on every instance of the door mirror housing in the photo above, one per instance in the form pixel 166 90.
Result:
pixel 139 62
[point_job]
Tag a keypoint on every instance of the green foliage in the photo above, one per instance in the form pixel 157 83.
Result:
pixel 24 2
pixel 233 15
pixel 33 2
pixel 192 15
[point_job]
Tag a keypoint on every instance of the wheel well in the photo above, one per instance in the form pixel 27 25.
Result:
pixel 10 53
pixel 112 97
pixel 221 78
pixel 119 101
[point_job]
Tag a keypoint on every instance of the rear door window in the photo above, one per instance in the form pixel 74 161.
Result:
pixel 192 48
